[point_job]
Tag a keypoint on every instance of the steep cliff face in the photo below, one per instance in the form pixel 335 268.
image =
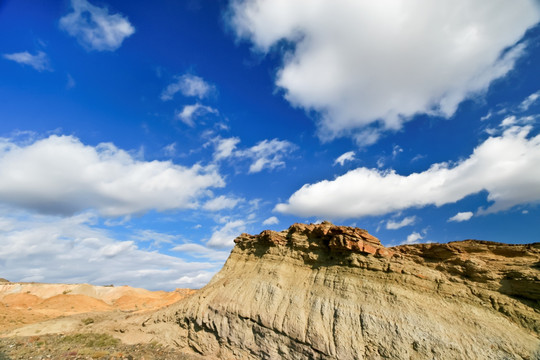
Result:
pixel 329 292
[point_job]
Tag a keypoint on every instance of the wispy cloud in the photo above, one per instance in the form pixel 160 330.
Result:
pixel 190 112
pixel 461 216
pixel 266 154
pixel 223 237
pixel 413 238
pixel 394 225
pixel 40 61
pixel 221 202
pixel 188 85
pixel 95 28
pixel 271 221
pixel 348 156
pixel 530 100
pixel 73 250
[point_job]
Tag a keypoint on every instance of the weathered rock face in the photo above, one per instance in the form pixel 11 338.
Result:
pixel 329 292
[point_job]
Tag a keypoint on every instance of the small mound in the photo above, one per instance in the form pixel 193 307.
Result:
pixel 74 304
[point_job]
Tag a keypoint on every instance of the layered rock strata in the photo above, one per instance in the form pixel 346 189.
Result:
pixel 332 292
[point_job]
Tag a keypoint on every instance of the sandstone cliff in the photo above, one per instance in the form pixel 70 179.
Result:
pixel 329 292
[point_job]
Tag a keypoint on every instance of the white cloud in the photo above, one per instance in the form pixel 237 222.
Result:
pixel 72 250
pixel 394 225
pixel 461 216
pixel 369 66
pixel 223 237
pixel 506 167
pixel 225 148
pixel 512 120
pixel 95 28
pixel 220 203
pixel 70 83
pixel 200 251
pixel 157 238
pixel 531 99
pixel 267 154
pixel 508 121
pixel 170 150
pixel 60 175
pixel 189 85
pixel 413 238
pixel 348 156
pixel 189 112
pixel 271 221
pixel 40 61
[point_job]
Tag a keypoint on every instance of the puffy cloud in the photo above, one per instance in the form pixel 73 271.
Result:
pixel 413 238
pixel 40 61
pixel 271 221
pixel 220 203
pixel 224 236
pixel 506 167
pixel 348 156
pixel 394 225
pixel 95 28
pixel 188 85
pixel 60 175
pixel 461 216
pixel 369 66
pixel 73 250
pixel 189 112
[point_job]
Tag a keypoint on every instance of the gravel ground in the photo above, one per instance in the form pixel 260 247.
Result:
pixel 84 346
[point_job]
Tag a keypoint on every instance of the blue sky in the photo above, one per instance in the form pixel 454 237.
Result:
pixel 137 140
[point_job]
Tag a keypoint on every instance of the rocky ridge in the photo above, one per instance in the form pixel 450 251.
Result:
pixel 334 292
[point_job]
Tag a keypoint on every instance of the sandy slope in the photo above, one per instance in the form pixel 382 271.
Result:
pixel 28 303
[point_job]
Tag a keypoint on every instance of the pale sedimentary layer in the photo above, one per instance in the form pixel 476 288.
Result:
pixel 329 292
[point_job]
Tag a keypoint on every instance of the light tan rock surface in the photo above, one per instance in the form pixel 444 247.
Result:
pixel 328 292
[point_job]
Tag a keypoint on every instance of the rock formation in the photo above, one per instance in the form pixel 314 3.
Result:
pixel 333 292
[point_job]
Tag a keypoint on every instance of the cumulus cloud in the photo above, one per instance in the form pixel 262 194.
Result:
pixel 40 61
pixel 220 203
pixel 348 156
pixel 506 167
pixel 61 175
pixel 271 221
pixel 188 85
pixel 461 216
pixel 189 112
pixel 95 28
pixel 73 250
pixel 224 236
pixel 394 225
pixel 369 66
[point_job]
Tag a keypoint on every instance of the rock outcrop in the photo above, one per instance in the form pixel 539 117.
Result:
pixel 332 292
